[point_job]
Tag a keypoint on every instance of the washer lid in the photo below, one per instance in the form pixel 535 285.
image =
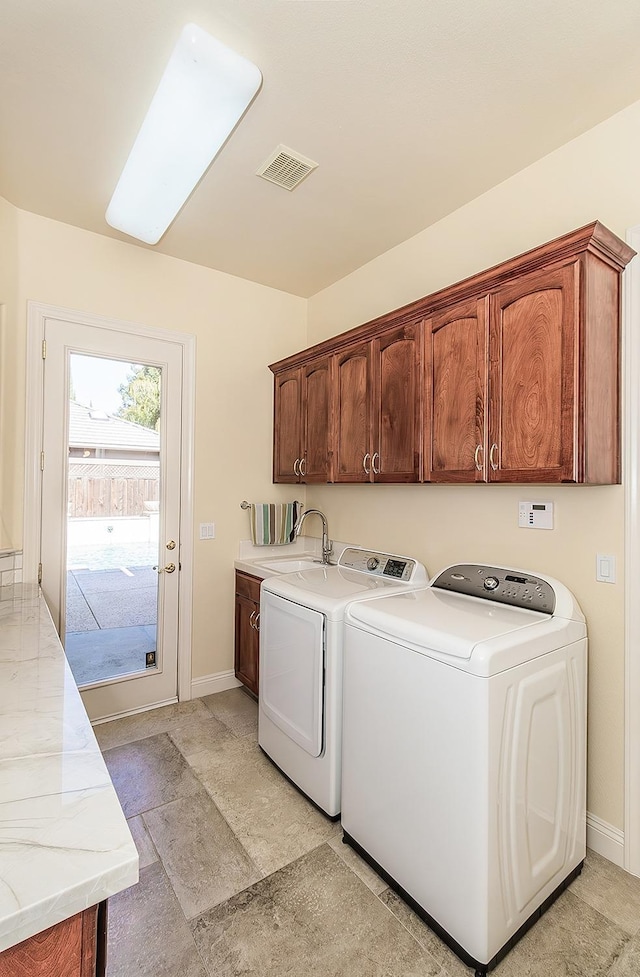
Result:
pixel 445 623
pixel 330 589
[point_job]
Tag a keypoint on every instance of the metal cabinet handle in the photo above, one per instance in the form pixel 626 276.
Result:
pixel 492 462
pixel 251 624
pixel 367 471
pixel 257 622
pixel 477 457
pixel 302 467
pixel 376 471
pixel 296 467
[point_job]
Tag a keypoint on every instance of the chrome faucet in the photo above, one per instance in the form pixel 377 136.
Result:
pixel 327 545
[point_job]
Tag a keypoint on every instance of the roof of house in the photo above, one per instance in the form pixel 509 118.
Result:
pixel 96 429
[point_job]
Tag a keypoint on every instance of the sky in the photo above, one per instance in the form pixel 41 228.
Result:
pixel 95 381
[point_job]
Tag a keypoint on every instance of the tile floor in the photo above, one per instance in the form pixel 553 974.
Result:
pixel 240 875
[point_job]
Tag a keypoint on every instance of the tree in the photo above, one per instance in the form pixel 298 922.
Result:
pixel 141 397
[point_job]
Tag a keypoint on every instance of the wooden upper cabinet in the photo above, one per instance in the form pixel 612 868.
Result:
pixel 287 431
pixel 377 426
pixel 512 375
pixel 352 426
pixel 302 420
pixel 397 367
pixel 535 343
pixel 456 361
pixel 316 406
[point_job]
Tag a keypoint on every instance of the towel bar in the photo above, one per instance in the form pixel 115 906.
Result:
pixel 247 505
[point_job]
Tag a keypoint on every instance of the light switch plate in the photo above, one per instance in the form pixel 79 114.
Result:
pixel 207 530
pixel 605 568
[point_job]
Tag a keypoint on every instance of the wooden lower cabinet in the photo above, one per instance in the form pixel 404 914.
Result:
pixel 72 948
pixel 247 630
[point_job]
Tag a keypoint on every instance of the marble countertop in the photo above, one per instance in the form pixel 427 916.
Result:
pixel 64 841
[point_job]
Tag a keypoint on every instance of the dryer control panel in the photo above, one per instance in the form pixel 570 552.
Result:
pixel 378 564
pixel 515 587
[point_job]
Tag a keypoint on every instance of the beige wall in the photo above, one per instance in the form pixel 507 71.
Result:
pixel 240 328
pixel 593 177
pixel 11 457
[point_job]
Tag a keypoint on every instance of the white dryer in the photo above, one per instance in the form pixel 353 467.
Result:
pixel 464 750
pixel 301 627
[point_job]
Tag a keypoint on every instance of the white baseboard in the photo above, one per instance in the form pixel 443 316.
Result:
pixel 134 712
pixel 218 682
pixel 606 840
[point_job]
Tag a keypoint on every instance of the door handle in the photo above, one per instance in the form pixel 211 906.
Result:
pixel 302 467
pixel 296 468
pixel 376 471
pixel 257 622
pixel 477 457
pixel 492 462
pixel 367 471
pixel 170 568
pixel 251 624
pixel 171 545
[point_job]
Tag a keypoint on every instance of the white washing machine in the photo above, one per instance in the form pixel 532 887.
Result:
pixel 464 750
pixel 301 627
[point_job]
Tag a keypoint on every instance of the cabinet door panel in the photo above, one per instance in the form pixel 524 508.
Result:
pixel 353 414
pixel 246 642
pixel 456 354
pixel 287 431
pixel 534 331
pixel 397 369
pixel 316 401
pixel 64 950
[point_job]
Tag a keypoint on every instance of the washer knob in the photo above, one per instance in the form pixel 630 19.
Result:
pixel 373 563
pixel 490 583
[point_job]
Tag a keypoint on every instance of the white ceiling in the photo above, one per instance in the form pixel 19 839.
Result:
pixel 410 107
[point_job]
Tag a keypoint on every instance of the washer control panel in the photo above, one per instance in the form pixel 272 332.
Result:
pixel 513 587
pixel 378 564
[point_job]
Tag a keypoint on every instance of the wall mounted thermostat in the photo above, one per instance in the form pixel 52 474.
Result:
pixel 535 515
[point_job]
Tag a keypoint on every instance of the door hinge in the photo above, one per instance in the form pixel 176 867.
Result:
pixel 39 573
pixel 42 461
pixel 44 349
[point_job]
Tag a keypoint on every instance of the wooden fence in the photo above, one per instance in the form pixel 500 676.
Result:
pixel 90 497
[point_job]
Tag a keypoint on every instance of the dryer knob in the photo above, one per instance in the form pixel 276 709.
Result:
pixel 490 583
pixel 373 563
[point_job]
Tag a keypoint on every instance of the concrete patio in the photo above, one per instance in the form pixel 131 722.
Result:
pixel 111 621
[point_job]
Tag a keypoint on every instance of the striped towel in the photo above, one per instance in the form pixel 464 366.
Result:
pixel 273 523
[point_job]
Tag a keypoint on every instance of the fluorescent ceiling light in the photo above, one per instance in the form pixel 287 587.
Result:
pixel 204 92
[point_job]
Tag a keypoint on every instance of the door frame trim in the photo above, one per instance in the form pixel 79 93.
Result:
pixel 37 313
pixel 631 359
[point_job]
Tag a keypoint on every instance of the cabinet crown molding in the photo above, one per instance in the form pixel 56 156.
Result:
pixel 594 238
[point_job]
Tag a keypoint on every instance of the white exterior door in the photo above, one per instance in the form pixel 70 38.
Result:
pixel 122 612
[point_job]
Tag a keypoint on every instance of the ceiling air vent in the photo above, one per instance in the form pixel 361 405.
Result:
pixel 286 168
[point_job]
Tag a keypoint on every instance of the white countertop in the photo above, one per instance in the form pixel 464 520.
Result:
pixel 64 842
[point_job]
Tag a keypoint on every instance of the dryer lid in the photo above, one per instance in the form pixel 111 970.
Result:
pixel 444 623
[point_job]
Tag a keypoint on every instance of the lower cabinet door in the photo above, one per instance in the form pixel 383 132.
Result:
pixel 247 642
pixel 65 950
